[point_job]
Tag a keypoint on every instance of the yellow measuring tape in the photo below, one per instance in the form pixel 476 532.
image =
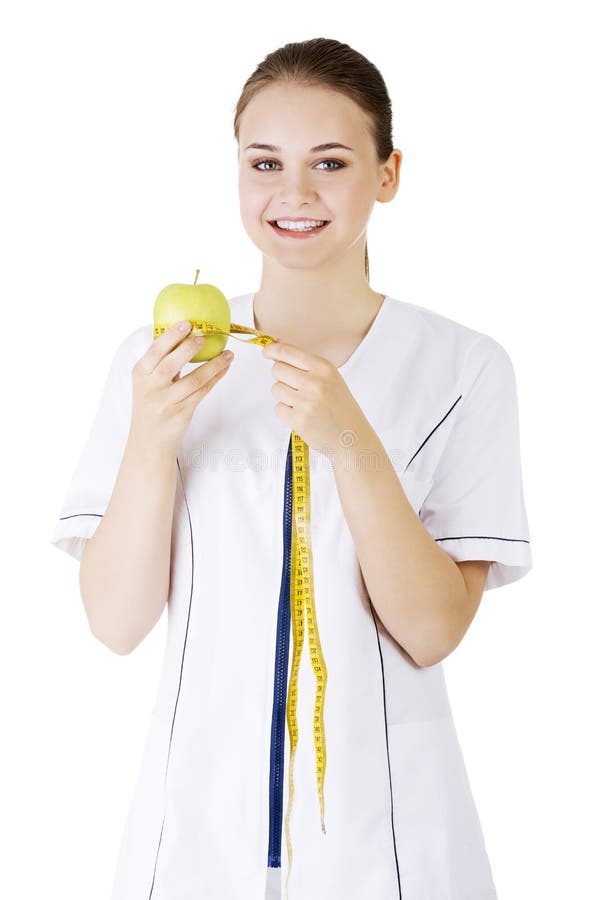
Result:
pixel 301 598
pixel 200 325
pixel 302 595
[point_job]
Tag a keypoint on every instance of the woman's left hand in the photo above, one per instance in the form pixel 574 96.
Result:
pixel 314 399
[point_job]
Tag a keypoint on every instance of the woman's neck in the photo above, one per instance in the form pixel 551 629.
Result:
pixel 328 326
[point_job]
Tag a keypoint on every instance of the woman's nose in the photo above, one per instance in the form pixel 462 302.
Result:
pixel 297 188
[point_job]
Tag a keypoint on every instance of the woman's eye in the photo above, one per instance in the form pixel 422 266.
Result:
pixel 261 162
pixel 338 165
pixel 336 162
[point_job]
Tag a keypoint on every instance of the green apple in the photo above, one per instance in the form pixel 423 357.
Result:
pixel 204 306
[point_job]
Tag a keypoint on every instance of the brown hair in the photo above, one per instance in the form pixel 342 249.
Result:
pixel 325 62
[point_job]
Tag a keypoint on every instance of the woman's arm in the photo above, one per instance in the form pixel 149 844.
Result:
pixel 124 572
pixel 418 591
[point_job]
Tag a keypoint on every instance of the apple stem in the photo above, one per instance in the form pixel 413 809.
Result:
pixel 196 276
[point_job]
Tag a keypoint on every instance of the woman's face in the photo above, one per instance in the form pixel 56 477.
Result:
pixel 296 181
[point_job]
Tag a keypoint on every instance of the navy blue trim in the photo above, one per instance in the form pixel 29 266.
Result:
pixel 278 715
pixel 396 860
pixel 433 430
pixel 481 537
pixel 75 515
pixel 180 672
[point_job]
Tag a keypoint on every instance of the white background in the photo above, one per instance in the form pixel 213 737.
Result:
pixel 119 176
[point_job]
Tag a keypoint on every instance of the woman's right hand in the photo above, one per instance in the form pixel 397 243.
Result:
pixel 162 402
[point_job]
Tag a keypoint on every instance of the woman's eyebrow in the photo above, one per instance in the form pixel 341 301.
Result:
pixel 320 147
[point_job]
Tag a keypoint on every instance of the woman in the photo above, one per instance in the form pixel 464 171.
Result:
pixel 416 507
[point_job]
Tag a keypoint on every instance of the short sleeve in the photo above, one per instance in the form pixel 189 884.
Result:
pixel 475 507
pixel 93 480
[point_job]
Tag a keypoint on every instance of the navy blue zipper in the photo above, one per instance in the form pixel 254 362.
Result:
pixel 278 715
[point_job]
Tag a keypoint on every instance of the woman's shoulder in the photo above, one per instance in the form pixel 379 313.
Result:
pixel 436 333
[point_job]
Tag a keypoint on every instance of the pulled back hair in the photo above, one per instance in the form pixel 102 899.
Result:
pixel 325 62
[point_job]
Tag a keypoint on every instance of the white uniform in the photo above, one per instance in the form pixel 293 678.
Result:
pixel 207 816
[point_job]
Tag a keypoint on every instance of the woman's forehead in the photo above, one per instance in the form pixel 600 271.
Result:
pixel 297 118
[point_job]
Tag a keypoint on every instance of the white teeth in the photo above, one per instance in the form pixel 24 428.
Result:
pixel 305 225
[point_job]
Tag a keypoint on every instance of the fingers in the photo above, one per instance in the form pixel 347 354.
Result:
pixel 167 355
pixel 199 382
pixel 169 352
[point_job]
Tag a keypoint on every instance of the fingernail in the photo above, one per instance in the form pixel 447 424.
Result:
pixel 183 326
pixel 200 339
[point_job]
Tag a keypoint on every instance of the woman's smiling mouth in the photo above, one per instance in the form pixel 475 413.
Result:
pixel 295 228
